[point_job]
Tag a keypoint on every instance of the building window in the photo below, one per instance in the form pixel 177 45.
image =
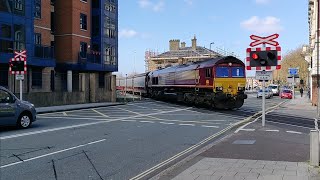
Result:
pixel 18 5
pixel 109 28
pixel 37 11
pixel 95 4
pixel 83 0
pixel 12 6
pixel 101 80
pixel 5 31
pixel 83 21
pixel 111 7
pixel 37 39
pixel 19 37
pixel 208 73
pixel 95 26
pixel 6 46
pixel 110 55
pixel 37 78
pixel 83 49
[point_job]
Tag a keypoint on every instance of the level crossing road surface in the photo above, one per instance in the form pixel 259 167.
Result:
pixel 116 142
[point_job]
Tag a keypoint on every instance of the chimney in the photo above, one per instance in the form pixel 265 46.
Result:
pixel 174 44
pixel 183 45
pixel 194 43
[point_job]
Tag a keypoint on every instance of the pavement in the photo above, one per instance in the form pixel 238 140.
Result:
pixel 280 150
pixel 132 141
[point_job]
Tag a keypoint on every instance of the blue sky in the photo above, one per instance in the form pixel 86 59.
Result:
pixel 150 24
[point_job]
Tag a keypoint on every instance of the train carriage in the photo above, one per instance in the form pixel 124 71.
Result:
pixel 216 82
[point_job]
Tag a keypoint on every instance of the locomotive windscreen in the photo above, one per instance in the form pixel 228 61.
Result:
pixel 237 72
pixel 222 72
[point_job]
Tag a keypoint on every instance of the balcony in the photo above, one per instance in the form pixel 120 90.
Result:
pixel 85 57
pixel 44 52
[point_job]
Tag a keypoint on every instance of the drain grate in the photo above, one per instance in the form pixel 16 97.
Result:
pixel 244 142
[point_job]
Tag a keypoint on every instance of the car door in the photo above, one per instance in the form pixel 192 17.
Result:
pixel 7 108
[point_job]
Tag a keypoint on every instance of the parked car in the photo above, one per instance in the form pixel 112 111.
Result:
pixel 275 89
pixel 268 93
pixel 14 112
pixel 287 93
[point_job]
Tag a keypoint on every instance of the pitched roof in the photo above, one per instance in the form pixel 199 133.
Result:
pixel 189 52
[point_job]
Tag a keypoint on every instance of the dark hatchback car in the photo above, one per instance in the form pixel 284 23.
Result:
pixel 14 112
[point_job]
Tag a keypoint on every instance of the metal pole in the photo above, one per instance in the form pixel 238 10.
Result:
pixel 293 93
pixel 263 103
pixel 20 89
pixel 318 85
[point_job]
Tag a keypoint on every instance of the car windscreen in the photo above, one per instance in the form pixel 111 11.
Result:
pixel 286 91
pixel 273 87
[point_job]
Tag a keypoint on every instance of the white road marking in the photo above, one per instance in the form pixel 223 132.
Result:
pixel 77 118
pixel 82 125
pixel 186 124
pixel 65 114
pixel 137 113
pixel 272 130
pixel 49 154
pixel 165 123
pixel 242 127
pixel 128 120
pixel 210 126
pixel 294 132
pixel 288 124
pixel 146 121
pixel 99 113
pixel 247 129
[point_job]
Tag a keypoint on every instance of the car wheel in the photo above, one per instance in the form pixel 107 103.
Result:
pixel 24 121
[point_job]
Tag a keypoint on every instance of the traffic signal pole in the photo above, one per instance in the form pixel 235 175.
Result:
pixel 20 90
pixel 263 99
pixel 263 103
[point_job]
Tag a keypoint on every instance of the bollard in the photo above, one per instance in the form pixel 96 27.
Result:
pixel 314 148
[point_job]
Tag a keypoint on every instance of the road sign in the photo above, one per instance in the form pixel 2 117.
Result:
pixel 15 67
pixel 293 71
pixel 271 64
pixel 21 54
pixel 264 40
pixel 19 77
pixel 264 75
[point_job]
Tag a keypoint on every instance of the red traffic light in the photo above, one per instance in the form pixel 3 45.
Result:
pixel 255 56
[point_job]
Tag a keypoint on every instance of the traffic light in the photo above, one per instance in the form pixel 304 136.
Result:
pixel 264 58
pixel 17 65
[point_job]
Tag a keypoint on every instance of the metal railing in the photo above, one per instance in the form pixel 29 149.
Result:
pixel 85 57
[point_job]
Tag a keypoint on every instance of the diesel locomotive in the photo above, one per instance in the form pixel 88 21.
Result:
pixel 218 83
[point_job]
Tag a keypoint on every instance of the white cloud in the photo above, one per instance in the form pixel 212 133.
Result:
pixel 154 6
pixel 189 2
pixel 127 33
pixel 262 1
pixel 265 25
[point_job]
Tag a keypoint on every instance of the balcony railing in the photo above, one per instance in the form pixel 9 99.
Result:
pixel 85 57
pixel 46 52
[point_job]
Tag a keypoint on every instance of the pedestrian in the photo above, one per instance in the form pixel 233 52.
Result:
pixel 301 91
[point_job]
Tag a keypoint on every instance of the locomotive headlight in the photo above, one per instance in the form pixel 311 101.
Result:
pixel 219 88
pixel 240 88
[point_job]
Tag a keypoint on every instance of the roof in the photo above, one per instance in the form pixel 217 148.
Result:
pixel 200 64
pixel 188 52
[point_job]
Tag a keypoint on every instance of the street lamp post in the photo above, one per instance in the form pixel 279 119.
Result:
pixel 210 48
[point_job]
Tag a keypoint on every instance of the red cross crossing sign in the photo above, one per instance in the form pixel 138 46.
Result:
pixel 264 40
pixel 21 54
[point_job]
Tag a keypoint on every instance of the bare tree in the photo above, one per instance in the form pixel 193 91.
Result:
pixel 293 59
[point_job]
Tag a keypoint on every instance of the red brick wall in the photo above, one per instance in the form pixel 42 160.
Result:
pixel 44 23
pixel 314 91
pixel 68 32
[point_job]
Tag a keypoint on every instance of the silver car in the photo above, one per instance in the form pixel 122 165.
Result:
pixel 14 112
pixel 268 93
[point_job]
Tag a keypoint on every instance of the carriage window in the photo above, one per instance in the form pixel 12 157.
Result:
pixel 222 72
pixel 237 72
pixel 208 73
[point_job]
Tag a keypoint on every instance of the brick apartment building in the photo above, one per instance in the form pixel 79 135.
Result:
pixel 72 49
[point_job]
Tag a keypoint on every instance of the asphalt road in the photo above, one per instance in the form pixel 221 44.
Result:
pixel 116 142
